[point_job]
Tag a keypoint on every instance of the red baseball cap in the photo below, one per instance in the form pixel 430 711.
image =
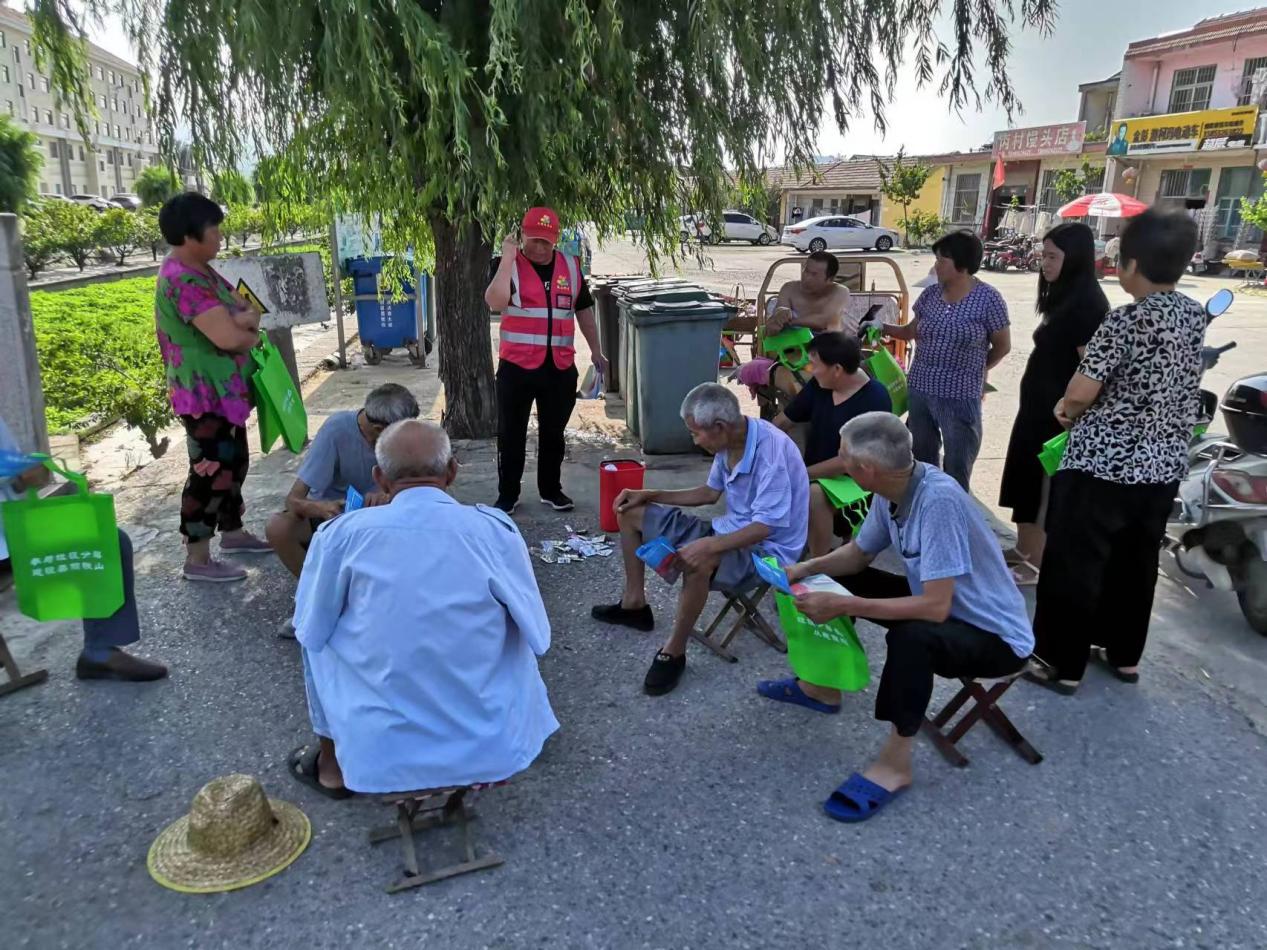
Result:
pixel 541 223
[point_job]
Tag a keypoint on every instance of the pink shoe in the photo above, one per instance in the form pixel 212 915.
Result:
pixel 244 543
pixel 214 572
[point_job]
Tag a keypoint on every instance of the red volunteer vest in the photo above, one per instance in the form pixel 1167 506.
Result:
pixel 532 320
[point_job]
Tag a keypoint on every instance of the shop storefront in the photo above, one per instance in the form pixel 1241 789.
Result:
pixel 1201 162
pixel 1030 159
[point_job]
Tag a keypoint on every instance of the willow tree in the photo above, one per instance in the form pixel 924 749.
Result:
pixel 450 118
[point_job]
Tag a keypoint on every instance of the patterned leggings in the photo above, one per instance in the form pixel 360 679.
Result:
pixel 218 460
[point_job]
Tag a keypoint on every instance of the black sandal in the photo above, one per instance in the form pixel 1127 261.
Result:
pixel 1044 677
pixel 302 765
pixel 1101 656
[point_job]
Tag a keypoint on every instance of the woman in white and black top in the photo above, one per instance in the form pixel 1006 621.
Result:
pixel 1131 408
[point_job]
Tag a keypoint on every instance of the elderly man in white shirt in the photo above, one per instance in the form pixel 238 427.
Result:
pixel 421 623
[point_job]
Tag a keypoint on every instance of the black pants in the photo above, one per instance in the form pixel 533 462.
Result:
pixel 218 462
pixel 918 650
pixel 1099 570
pixel 554 391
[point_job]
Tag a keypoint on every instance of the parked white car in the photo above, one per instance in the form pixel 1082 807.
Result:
pixel 837 232
pixel 736 226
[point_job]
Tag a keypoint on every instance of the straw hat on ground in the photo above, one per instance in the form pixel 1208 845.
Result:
pixel 232 837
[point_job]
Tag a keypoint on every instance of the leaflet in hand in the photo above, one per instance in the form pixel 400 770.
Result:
pixel 816 583
pixel 353 500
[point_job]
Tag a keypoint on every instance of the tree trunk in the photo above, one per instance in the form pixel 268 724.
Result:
pixel 466 357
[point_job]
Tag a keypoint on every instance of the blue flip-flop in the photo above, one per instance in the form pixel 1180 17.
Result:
pixel 789 691
pixel 858 799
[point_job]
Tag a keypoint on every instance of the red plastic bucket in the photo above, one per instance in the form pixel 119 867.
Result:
pixel 614 476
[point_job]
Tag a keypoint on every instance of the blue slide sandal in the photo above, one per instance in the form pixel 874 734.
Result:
pixel 858 799
pixel 789 691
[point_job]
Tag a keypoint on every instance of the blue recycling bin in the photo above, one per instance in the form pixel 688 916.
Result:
pixel 383 323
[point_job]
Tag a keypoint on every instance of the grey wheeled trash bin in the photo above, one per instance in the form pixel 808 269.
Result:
pixel 627 296
pixel 676 347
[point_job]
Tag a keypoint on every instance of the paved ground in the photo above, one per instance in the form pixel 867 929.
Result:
pixel 686 821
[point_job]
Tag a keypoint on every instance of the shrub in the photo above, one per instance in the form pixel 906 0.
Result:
pixel 147 232
pixel 119 233
pixel 99 356
pixel 76 230
pixel 156 184
pixel 922 227
pixel 40 244
pixel 20 164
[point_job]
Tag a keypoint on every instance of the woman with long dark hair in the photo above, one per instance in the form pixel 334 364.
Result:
pixel 1072 306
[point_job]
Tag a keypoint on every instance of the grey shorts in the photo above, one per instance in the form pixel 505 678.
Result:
pixel 735 573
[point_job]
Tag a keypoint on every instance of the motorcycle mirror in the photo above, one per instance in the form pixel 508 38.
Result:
pixel 1218 304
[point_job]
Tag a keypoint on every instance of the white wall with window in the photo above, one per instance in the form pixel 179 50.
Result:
pixel 963 203
pixel 1192 89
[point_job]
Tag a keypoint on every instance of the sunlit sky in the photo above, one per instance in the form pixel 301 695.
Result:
pixel 1087 45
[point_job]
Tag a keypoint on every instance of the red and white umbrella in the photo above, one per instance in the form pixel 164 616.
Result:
pixel 1106 204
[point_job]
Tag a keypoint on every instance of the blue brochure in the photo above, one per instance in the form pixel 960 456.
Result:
pixel 354 500
pixel 772 574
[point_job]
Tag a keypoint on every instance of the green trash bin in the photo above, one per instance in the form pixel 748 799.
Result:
pixel 639 293
pixel 680 339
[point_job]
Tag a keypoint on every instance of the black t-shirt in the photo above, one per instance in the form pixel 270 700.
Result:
pixel 814 405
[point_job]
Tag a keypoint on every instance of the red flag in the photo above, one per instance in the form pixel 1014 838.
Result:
pixel 999 174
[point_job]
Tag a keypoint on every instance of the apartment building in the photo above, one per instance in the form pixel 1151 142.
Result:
pixel 1188 129
pixel 122 139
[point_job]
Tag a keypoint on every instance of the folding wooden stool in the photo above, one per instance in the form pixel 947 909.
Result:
pixel 746 605
pixel 428 809
pixel 17 679
pixel 985 694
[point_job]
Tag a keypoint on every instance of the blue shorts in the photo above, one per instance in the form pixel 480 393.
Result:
pixel 735 573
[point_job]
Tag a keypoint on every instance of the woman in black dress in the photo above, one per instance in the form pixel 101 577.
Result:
pixel 1072 305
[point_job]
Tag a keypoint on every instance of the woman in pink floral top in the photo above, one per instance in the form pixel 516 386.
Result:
pixel 205 332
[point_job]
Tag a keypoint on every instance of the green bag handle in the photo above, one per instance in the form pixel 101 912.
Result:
pixel 75 478
pixel 873 336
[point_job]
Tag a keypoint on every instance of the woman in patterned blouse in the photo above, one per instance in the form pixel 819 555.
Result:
pixel 1130 409
pixel 961 330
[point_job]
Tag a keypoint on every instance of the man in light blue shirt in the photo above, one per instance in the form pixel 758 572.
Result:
pixel 340 456
pixel 759 471
pixel 421 623
pixel 956 613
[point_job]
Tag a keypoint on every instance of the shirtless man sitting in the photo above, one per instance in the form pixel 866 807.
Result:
pixel 815 302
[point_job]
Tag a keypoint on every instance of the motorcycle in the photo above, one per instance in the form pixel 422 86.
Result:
pixel 1218 527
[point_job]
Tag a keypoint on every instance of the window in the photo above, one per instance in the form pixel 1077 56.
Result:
pixel 1048 200
pixel 43 84
pixel 26 46
pixel 35 114
pixel 1190 90
pixel 110 155
pixel 103 100
pixel 118 132
pixel 1182 184
pixel 59 187
pixel 52 148
pixel 4 73
pixel 12 111
pixel 967 195
pixel 112 77
pixel 3 41
pixel 103 191
pixel 81 153
pixel 30 81
pixel 1252 66
pixel 65 121
pixel 48 117
pixel 102 163
pixel 115 104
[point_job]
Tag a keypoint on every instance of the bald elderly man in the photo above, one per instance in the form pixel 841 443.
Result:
pixel 421 624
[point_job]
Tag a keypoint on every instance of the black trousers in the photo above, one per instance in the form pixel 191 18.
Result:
pixel 1099 570
pixel 554 392
pixel 918 650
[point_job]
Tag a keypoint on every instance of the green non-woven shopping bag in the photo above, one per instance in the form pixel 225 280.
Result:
pixel 65 552
pixel 884 369
pixel 789 346
pixel 825 654
pixel 847 497
pixel 275 394
pixel 1052 452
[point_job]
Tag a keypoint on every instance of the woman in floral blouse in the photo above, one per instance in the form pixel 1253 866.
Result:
pixel 205 331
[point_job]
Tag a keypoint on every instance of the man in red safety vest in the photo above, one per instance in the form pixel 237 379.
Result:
pixel 543 299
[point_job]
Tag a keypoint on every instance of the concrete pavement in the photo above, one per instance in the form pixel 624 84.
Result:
pixel 686 821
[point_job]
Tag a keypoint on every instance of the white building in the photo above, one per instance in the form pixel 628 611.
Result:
pixel 122 140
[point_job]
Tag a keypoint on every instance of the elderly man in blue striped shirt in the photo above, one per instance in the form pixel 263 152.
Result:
pixel 760 473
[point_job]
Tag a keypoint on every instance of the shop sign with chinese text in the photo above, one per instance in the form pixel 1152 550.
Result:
pixel 1042 141
pixel 1213 130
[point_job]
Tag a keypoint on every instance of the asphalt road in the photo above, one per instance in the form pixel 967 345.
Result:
pixel 690 820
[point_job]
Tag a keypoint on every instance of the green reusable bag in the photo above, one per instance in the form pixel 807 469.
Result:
pixel 847 497
pixel 65 552
pixel 275 392
pixel 825 654
pixel 789 346
pixel 270 428
pixel 1052 452
pixel 884 368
